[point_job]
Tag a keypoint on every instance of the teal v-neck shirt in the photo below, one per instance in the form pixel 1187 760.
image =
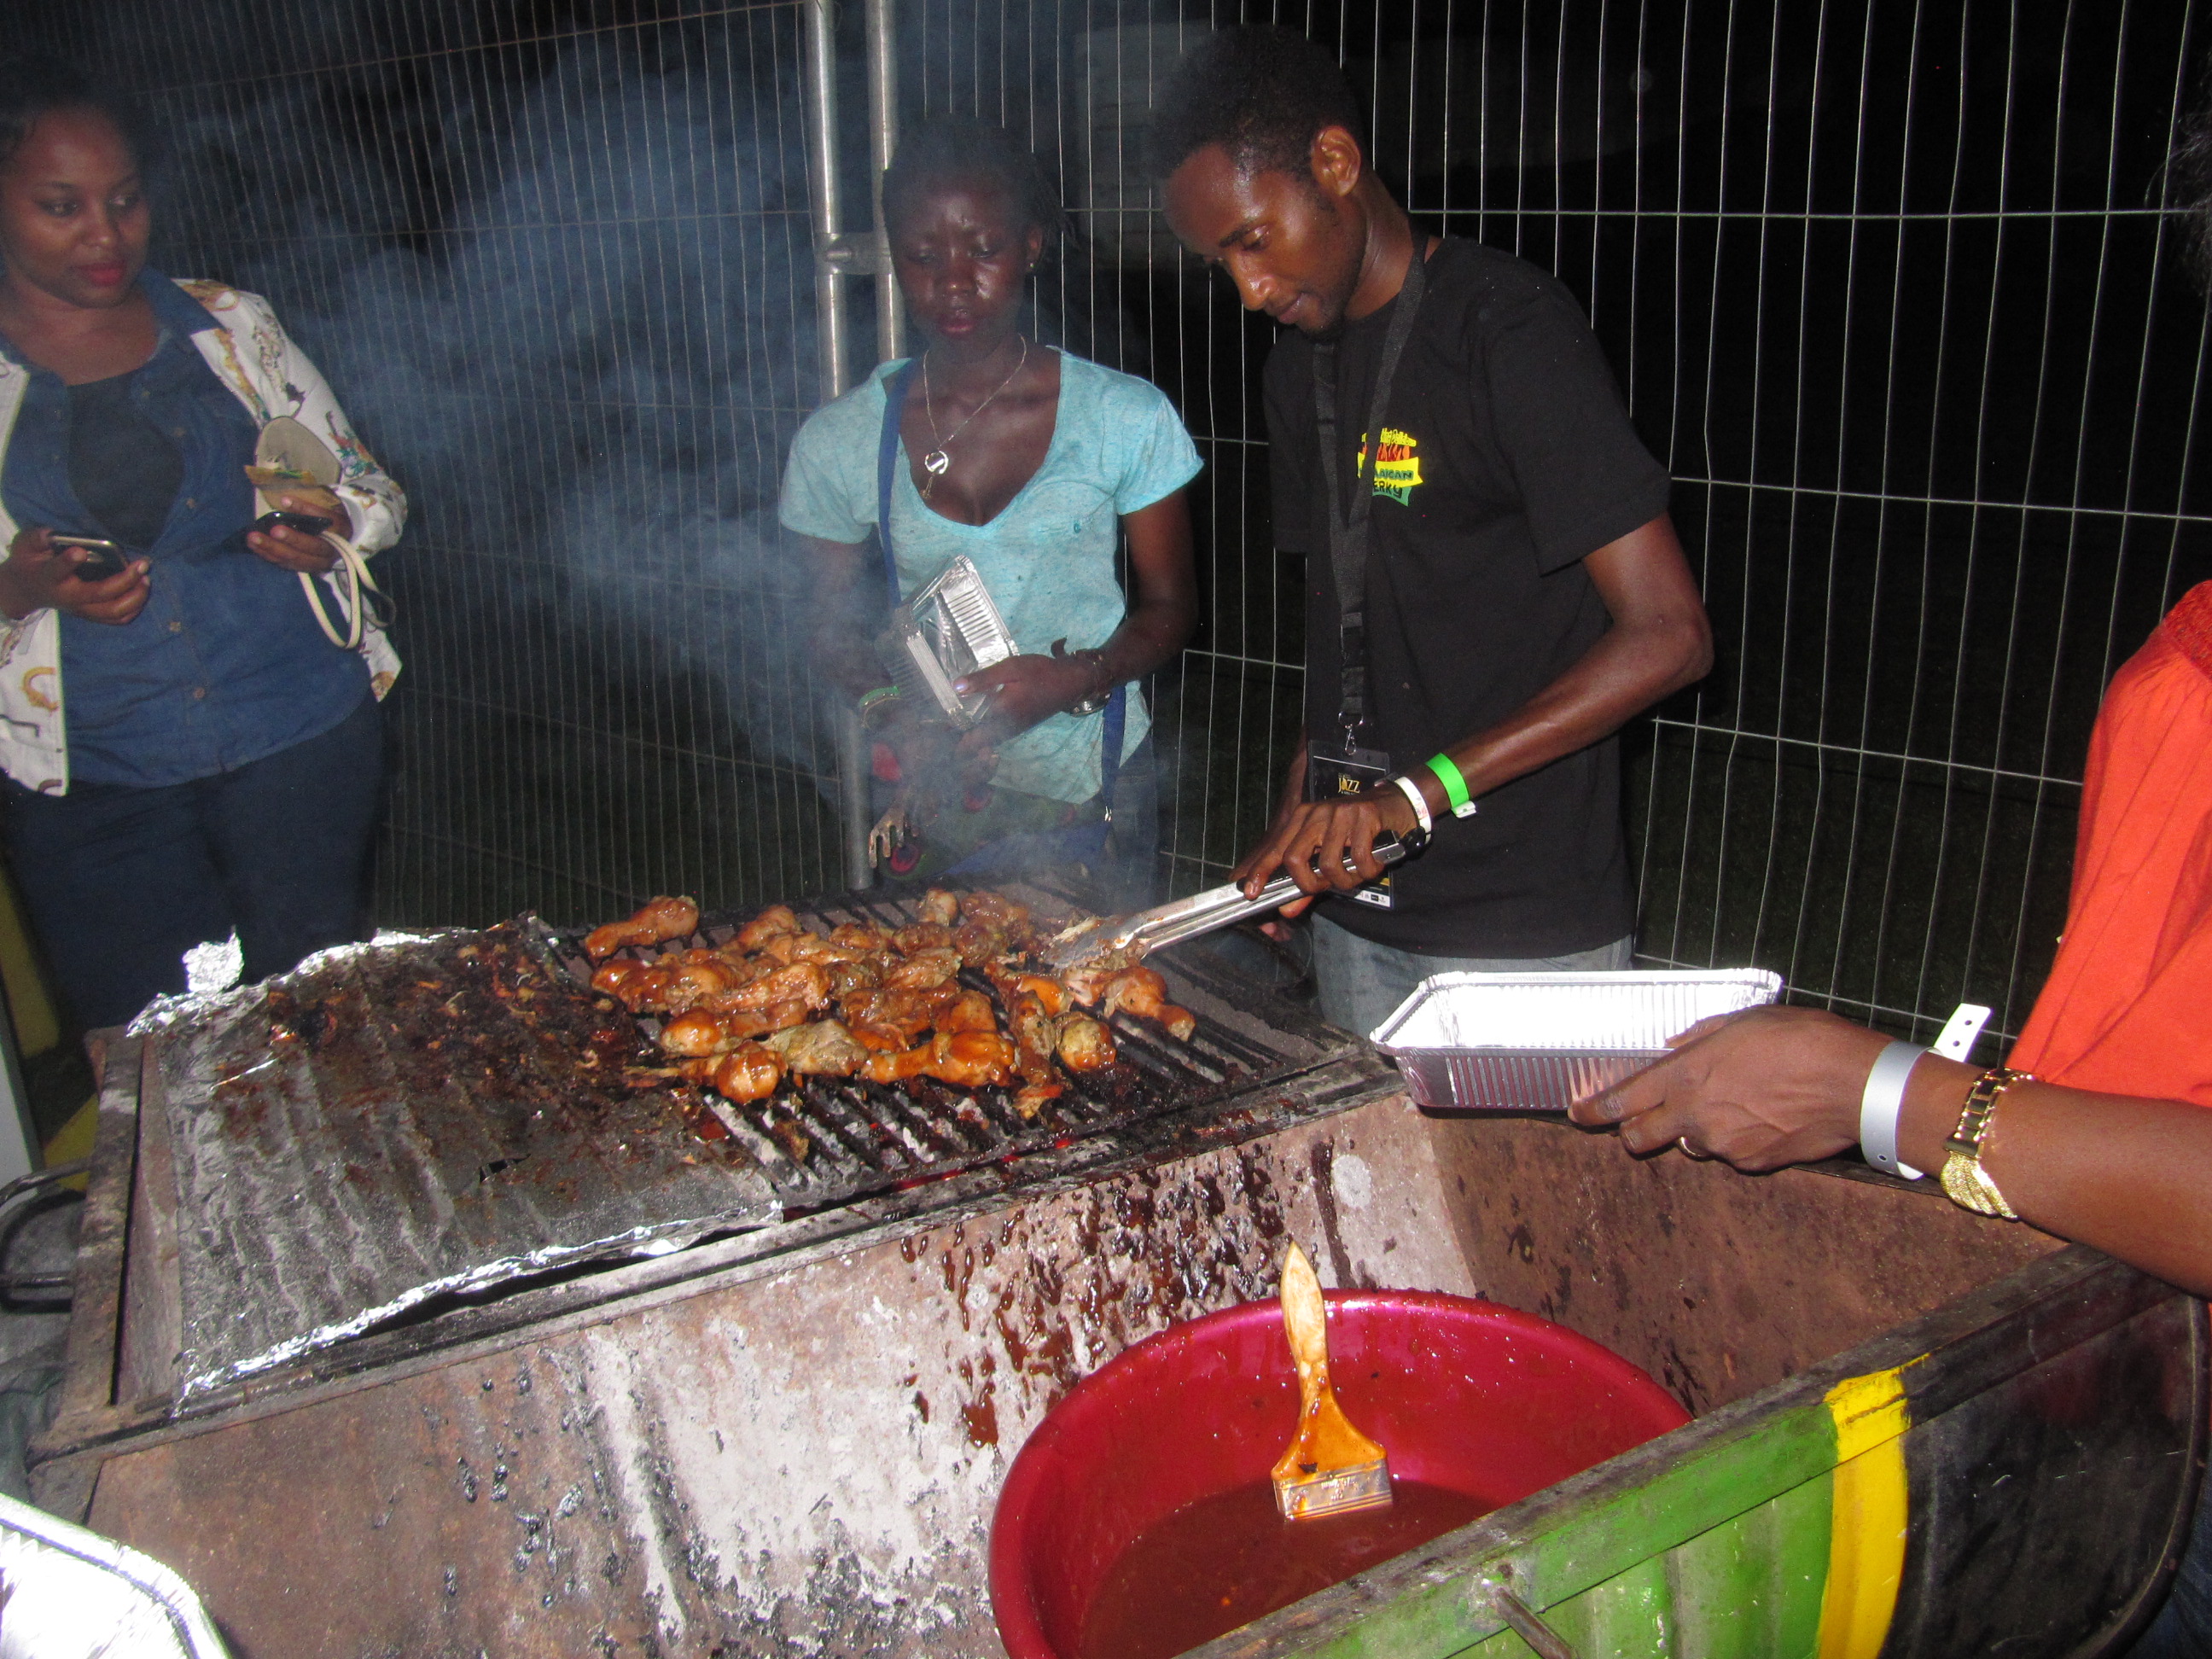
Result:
pixel 1117 445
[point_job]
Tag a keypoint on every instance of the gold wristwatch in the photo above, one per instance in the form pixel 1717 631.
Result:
pixel 1964 1180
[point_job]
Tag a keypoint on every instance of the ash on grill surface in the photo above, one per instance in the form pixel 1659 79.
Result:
pixel 826 1140
pixel 396 1122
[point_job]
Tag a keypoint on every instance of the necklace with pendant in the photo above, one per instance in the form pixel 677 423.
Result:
pixel 936 462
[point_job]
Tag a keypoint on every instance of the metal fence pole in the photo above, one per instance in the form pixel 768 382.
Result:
pixel 830 307
pixel 882 138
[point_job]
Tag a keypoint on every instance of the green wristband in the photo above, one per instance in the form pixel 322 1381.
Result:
pixel 881 694
pixel 1448 775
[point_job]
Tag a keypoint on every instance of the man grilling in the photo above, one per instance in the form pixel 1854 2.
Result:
pixel 1494 586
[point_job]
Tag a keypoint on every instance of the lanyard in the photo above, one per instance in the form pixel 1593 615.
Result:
pixel 1350 535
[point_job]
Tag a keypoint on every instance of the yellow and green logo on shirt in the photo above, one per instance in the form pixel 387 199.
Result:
pixel 1397 465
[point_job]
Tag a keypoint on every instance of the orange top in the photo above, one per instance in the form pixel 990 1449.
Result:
pixel 2128 1008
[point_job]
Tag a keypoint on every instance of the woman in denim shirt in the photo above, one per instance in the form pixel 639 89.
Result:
pixel 219 767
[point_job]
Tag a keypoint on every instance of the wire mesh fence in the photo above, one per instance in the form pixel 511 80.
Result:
pixel 1884 280
pixel 561 276
pixel 1888 287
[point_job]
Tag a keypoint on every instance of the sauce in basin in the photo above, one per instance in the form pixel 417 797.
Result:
pixel 1483 1403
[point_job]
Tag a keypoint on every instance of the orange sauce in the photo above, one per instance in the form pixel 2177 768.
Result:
pixel 1226 1560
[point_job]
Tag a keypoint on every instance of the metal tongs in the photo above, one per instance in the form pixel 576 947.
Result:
pixel 1132 937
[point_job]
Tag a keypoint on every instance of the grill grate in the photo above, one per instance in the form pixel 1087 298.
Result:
pixel 826 1140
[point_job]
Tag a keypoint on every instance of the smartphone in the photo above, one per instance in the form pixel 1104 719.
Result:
pixel 312 523
pixel 102 559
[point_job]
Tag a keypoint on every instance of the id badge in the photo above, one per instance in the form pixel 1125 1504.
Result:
pixel 1332 773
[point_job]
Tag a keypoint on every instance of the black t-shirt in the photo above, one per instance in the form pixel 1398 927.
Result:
pixel 1507 458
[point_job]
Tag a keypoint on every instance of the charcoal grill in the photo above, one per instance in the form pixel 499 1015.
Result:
pixel 862 1137
pixel 788 1439
pixel 311 1210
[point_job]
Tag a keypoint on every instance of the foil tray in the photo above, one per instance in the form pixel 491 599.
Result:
pixel 1537 1043
pixel 406 1122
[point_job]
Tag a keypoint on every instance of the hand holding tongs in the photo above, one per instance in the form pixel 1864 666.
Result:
pixel 1170 924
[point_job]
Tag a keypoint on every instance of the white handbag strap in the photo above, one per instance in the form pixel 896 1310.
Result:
pixel 351 572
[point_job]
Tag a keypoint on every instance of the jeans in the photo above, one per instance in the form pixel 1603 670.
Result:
pixel 2183 1629
pixel 1363 983
pixel 121 882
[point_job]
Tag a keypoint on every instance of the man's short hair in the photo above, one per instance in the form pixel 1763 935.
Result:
pixel 1260 92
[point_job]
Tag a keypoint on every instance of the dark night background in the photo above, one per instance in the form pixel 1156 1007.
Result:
pixel 1886 283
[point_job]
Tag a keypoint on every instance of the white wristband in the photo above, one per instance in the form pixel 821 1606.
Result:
pixel 1880 1105
pixel 1420 803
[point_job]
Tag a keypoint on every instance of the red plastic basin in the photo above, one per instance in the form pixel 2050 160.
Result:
pixel 1466 1395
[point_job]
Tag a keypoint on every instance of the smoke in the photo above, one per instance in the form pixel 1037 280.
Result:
pixel 564 292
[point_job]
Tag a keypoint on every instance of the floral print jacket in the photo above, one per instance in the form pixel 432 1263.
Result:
pixel 251 355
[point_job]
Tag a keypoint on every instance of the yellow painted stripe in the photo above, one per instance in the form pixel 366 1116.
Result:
pixel 1866 1538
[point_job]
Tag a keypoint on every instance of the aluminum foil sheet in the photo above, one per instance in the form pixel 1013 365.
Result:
pixel 72 1593
pixel 412 1120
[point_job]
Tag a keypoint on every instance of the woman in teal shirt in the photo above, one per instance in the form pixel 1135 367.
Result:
pixel 1034 464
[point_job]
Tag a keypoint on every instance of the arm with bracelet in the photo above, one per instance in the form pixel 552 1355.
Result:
pixel 1658 642
pixel 1787 1086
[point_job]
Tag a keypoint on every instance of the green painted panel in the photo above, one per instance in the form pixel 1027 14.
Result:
pixel 1780 1560
pixel 1631 1614
pixel 1589 1543
pixel 1751 1588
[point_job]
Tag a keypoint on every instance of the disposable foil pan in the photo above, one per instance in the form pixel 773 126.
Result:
pixel 1534 1043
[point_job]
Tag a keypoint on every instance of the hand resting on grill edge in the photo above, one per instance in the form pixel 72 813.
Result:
pixel 1775 1086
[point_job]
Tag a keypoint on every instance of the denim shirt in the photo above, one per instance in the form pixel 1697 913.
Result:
pixel 226 664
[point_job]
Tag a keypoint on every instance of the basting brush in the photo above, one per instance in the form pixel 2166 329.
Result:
pixel 1330 1467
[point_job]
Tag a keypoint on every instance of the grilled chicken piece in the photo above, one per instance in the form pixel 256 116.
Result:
pixel 924 969
pixel 898 1064
pixel 1050 994
pixel 787 948
pixel 1087 985
pixel 609 976
pixel 1036 1033
pixel 971 1060
pixel 941 907
pixel 805 981
pixel 748 1073
pixel 771 923
pixel 859 936
pixel 695 1035
pixel 979 943
pixel 1142 991
pixel 1029 1099
pixel 1085 1044
pixel 645 990
pixel 853 978
pixel 909 1012
pixel 664 918
pixel 995 910
pixel 697 976
pixel 923 935
pixel 971 1010
pixel 966 1060
pixel 701 1032
pixel 879 1040
pixel 823 1049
